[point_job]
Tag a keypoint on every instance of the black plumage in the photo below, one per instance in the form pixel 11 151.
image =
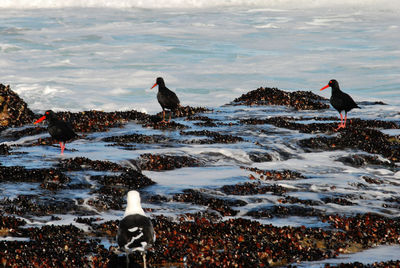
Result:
pixel 135 232
pixel 166 98
pixel 340 101
pixel 59 130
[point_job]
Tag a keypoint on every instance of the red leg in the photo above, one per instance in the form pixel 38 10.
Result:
pixel 62 145
pixel 341 123
pixel 163 116
pixel 345 118
pixel 170 114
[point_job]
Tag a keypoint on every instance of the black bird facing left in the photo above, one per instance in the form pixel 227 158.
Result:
pixel 166 98
pixel 59 130
pixel 340 101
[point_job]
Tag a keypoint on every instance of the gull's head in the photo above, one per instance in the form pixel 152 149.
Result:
pixel 133 204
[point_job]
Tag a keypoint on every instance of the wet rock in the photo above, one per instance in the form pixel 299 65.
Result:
pixel 273 174
pixel 366 230
pixel 259 157
pixel 369 140
pixel 49 178
pixel 108 228
pixel 54 246
pixel 337 200
pixel 366 103
pixel 13 110
pixel 358 160
pixel 4 149
pixel 137 138
pixel 252 189
pixel 199 118
pixel 171 125
pixel 295 200
pixel 130 179
pixel 300 100
pixel 183 111
pixel 98 121
pixel 88 221
pixel 156 199
pixel 38 206
pixel 204 121
pixel 284 211
pixel 198 241
pixel 103 202
pixel 385 264
pixel 235 243
pixel 221 205
pixel 216 137
pixel 166 162
pixel 13 135
pixel 206 124
pixel 9 225
pixel 81 163
pixel 291 123
pixel 371 180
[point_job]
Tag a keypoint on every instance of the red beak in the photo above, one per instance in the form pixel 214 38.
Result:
pixel 40 119
pixel 324 87
pixel 153 86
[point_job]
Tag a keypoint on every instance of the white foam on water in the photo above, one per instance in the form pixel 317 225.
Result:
pixel 70 59
pixel 272 4
pixel 378 254
pixel 185 178
pixel 12 238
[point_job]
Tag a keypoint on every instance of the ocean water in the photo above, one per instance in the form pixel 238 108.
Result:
pixel 79 55
pixel 105 55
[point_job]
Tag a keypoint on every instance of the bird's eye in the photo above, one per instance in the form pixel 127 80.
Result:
pixel 47 112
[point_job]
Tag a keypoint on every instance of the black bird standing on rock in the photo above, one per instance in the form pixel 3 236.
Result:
pixel 135 232
pixel 166 98
pixel 58 129
pixel 340 101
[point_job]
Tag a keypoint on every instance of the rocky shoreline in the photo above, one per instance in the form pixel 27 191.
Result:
pixel 206 238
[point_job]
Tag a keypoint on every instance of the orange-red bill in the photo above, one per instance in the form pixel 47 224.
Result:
pixel 40 119
pixel 324 87
pixel 154 85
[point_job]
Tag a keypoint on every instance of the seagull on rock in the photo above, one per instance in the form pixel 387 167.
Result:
pixel 135 232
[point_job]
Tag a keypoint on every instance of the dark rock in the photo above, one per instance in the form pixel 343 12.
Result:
pixel 137 138
pixel 252 189
pixel 221 205
pixel 300 100
pixel 216 137
pixel 4 149
pixel 80 163
pixel 131 179
pixel 369 140
pixel 166 162
pixel 359 160
pixel 259 157
pixel 274 175
pixel 49 178
pixel 14 111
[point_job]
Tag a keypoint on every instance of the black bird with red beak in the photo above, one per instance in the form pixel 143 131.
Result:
pixel 340 101
pixel 59 130
pixel 166 98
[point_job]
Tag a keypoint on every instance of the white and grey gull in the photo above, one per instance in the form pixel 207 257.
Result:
pixel 135 232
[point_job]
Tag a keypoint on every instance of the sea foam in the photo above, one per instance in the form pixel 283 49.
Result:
pixel 286 4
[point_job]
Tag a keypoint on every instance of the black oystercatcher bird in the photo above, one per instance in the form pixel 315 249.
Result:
pixel 340 101
pixel 59 130
pixel 166 98
pixel 135 232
